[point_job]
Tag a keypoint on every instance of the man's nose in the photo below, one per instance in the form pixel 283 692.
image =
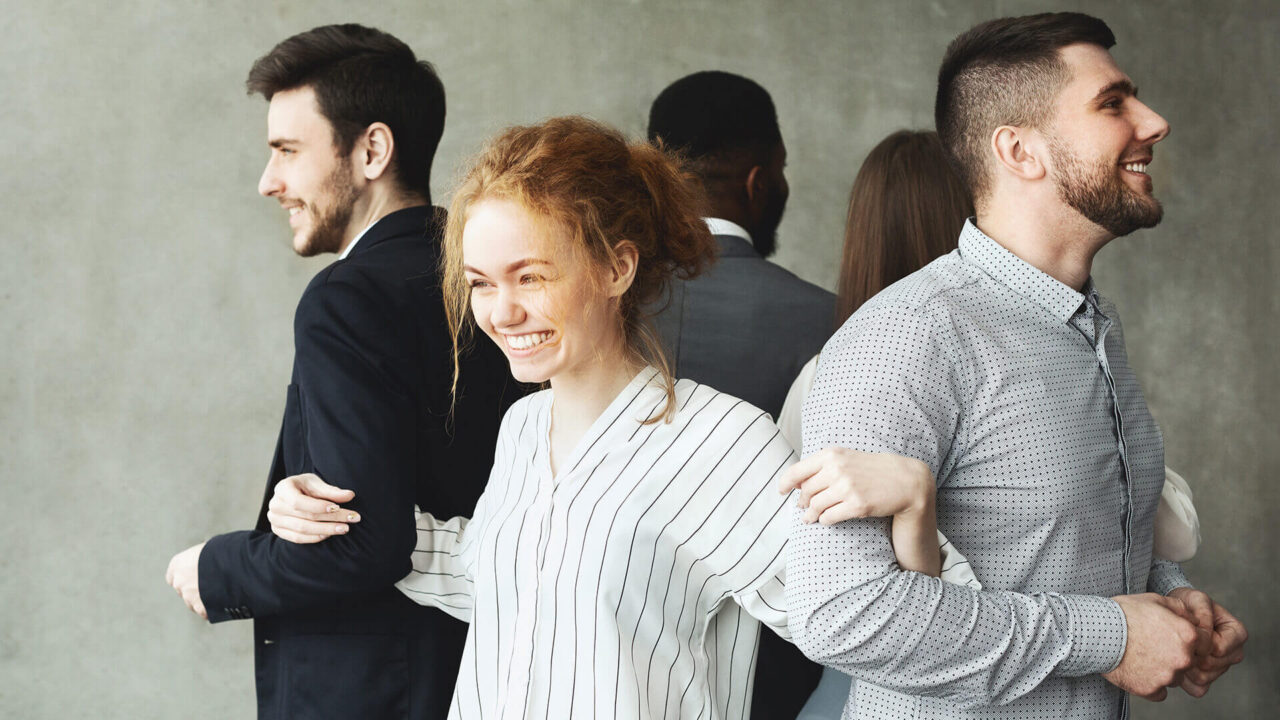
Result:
pixel 1152 127
pixel 270 184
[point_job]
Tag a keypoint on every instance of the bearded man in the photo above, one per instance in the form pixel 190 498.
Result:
pixel 1002 368
pixel 353 123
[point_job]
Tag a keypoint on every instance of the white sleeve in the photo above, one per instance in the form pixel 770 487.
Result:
pixel 789 418
pixel 955 566
pixel 439 577
pixel 1177 526
pixel 752 560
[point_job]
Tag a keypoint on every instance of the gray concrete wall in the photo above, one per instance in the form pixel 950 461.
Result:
pixel 147 292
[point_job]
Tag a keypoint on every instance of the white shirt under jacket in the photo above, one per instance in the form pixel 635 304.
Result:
pixel 631 586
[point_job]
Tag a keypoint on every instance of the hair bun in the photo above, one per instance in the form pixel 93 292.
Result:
pixel 682 244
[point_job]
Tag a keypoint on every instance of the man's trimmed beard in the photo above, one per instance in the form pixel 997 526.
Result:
pixel 1097 192
pixel 331 212
pixel 765 238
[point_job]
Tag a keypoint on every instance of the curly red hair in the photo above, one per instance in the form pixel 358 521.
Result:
pixel 597 190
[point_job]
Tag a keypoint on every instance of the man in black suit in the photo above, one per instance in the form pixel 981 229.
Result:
pixel 747 326
pixel 354 120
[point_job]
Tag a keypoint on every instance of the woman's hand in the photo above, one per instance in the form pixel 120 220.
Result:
pixel 305 509
pixel 839 484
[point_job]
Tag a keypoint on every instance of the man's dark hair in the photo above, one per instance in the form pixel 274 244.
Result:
pixel 361 76
pixel 1005 72
pixel 722 123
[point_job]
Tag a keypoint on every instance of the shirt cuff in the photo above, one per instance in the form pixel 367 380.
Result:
pixel 1165 577
pixel 1098 635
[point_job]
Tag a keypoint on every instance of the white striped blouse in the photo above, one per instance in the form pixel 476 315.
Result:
pixel 631 586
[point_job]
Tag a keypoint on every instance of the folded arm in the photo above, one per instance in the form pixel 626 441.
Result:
pixel 853 607
pixel 440 576
pixel 358 431
pixel 838 484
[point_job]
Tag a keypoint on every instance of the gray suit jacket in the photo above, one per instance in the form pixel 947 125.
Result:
pixel 746 327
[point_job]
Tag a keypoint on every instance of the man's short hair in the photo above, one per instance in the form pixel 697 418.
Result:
pixel 1005 72
pixel 361 76
pixel 717 120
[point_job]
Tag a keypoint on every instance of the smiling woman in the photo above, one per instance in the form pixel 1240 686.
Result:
pixel 566 222
pixel 524 302
pixel 629 543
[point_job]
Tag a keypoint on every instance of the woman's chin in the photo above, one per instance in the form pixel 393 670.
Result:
pixel 522 372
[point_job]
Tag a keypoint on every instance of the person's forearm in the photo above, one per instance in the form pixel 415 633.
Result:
pixel 266 575
pixel 850 608
pixel 915 537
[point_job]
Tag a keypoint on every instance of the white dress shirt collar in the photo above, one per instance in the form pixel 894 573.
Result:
pixel 352 244
pixel 720 226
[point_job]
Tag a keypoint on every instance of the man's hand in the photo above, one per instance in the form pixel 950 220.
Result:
pixel 304 509
pixel 1220 644
pixel 1160 647
pixel 184 575
pixel 838 484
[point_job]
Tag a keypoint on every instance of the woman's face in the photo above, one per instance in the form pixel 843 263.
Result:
pixel 541 306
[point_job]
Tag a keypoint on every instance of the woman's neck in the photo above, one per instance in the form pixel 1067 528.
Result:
pixel 580 396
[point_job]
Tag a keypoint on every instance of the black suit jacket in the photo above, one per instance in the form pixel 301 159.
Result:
pixel 368 410
pixel 746 328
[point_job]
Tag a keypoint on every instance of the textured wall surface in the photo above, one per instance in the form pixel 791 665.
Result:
pixel 148 292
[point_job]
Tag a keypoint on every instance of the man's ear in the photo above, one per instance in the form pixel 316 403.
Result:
pixel 374 149
pixel 757 186
pixel 1019 151
pixel 624 268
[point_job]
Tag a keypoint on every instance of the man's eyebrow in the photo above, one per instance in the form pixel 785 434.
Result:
pixel 1125 87
pixel 281 142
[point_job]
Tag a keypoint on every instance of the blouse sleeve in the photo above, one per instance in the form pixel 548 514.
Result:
pixel 439 576
pixel 955 566
pixel 752 562
pixel 789 418
pixel 444 556
pixel 1177 527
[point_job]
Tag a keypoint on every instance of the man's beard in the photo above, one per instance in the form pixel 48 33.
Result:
pixel 331 212
pixel 1097 192
pixel 765 237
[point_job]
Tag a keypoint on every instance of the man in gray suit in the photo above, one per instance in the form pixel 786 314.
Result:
pixel 747 326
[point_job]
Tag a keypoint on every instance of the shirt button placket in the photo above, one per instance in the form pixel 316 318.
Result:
pixel 1100 349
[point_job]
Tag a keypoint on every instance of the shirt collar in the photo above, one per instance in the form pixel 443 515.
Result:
pixel 1019 275
pixel 720 226
pixel 352 244
pixel 734 241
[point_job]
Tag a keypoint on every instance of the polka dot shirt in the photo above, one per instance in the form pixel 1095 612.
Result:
pixel 1016 391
